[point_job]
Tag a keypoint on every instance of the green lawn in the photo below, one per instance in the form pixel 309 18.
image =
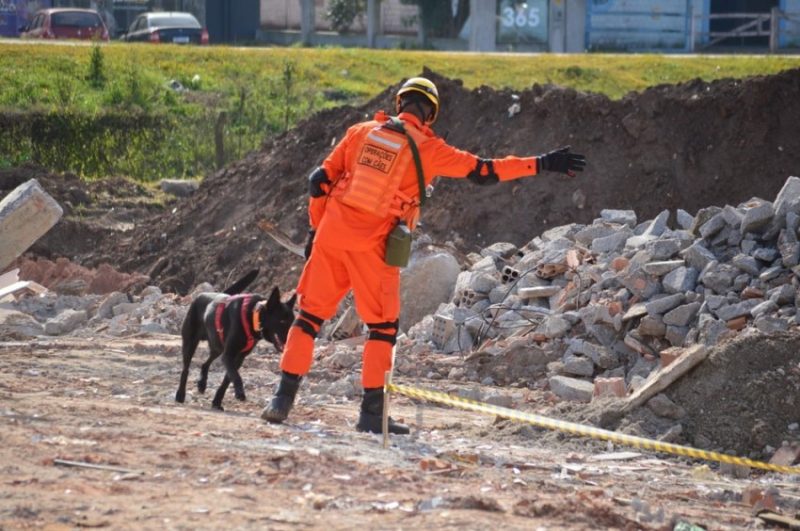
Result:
pixel 265 90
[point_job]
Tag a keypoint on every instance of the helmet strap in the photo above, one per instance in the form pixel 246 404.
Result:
pixel 419 109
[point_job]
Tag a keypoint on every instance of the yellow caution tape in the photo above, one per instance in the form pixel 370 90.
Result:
pixel 587 431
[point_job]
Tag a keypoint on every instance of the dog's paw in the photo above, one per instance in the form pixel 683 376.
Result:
pixel 180 397
pixel 241 397
pixel 218 407
pixel 201 386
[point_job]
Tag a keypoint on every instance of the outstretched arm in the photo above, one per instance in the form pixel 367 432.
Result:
pixel 447 161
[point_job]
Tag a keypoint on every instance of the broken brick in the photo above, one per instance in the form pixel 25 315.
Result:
pixel 609 387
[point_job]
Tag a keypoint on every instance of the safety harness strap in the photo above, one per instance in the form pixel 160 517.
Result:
pixel 247 325
pixel 398 123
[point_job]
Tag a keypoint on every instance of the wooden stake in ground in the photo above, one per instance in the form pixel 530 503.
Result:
pixel 387 379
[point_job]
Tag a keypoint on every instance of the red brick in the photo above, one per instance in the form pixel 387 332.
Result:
pixel 738 323
pixel 760 498
pixel 752 293
pixel 619 263
pixel 609 387
pixel 669 355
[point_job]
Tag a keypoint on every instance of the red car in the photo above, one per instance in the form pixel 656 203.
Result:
pixel 66 23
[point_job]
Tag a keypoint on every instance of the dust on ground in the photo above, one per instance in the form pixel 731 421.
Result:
pixel 111 404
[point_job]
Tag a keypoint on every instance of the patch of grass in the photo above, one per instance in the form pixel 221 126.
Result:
pixel 265 90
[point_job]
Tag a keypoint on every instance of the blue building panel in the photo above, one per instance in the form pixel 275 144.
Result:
pixel 637 24
pixel 790 28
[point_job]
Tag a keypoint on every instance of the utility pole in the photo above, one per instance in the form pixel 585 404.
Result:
pixel 483 25
pixel 307 21
pixel 373 22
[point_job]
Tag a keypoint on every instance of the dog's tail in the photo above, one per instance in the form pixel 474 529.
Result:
pixel 242 283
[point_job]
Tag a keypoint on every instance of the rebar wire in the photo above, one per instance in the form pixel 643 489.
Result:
pixel 522 275
pixel 499 305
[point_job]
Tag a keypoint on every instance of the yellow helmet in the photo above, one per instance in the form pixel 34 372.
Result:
pixel 426 87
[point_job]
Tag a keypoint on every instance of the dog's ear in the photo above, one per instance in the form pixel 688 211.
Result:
pixel 292 301
pixel 274 297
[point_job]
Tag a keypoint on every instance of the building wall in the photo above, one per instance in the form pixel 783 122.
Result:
pixel 285 14
pixel 791 29
pixel 640 24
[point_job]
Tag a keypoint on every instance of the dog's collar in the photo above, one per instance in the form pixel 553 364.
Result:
pixel 257 316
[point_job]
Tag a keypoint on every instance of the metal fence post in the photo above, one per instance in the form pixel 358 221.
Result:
pixel 774 22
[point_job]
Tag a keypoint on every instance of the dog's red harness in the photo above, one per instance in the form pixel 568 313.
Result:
pixel 249 327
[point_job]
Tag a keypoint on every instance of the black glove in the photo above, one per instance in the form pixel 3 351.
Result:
pixel 317 178
pixel 309 243
pixel 562 161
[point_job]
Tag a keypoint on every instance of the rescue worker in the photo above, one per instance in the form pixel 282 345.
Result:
pixel 366 185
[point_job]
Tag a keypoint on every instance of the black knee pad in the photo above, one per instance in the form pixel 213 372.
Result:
pixel 376 334
pixel 304 320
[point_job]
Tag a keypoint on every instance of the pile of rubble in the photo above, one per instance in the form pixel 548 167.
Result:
pixel 592 309
pixel 606 302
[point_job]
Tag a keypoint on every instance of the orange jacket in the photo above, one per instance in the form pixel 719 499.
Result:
pixel 344 227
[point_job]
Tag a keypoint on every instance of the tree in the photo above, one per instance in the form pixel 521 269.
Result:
pixel 342 13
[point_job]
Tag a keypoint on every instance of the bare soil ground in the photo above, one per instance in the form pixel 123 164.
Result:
pixel 110 403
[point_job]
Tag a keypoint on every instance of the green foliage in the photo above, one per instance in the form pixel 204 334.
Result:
pixel 289 69
pixel 96 76
pixel 342 13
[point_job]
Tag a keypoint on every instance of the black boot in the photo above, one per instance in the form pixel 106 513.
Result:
pixel 278 410
pixel 371 417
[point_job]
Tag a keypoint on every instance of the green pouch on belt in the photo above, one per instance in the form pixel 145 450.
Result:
pixel 398 245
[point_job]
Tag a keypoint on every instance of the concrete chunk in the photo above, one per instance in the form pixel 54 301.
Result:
pixel 732 311
pixel 571 388
pixel 757 217
pixel 788 194
pixel 26 214
pixel 697 256
pixel 712 226
pixel 747 264
pixel 664 304
pixel 538 292
pixel 662 268
pixel 664 248
pixel 623 217
pixel 681 280
pixel 684 219
pixel 614 242
pixel 682 315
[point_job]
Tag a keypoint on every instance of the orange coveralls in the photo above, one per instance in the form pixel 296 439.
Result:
pixel 349 248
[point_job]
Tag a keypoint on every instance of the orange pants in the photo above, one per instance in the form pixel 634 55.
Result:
pixel 328 275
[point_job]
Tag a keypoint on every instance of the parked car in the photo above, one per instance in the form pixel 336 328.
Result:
pixel 66 23
pixel 170 27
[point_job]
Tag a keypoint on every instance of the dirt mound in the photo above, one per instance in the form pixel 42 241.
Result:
pixel 673 146
pixel 744 396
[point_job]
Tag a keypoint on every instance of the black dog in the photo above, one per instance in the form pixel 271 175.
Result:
pixel 232 324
